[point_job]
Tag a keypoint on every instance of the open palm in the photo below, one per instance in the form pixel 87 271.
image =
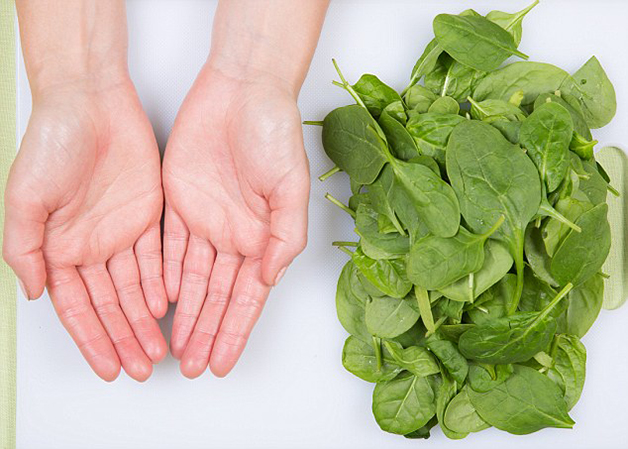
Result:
pixel 83 205
pixel 236 183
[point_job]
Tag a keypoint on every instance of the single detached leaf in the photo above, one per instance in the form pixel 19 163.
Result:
pixel 569 368
pixel 388 317
pixel 389 276
pixel 511 22
pixel 375 94
pixel 475 41
pixel 461 416
pixel 358 357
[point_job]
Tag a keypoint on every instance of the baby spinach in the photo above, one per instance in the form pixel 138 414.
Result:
pixel 403 404
pixel 485 169
pixel 546 134
pixel 478 204
pixel 511 339
pixel 568 368
pixel 525 402
pixel 475 41
pixel 436 262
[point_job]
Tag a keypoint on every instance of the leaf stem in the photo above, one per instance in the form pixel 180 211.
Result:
pixel 347 209
pixel 547 210
pixel 377 347
pixel 347 86
pixel 519 266
pixel 345 250
pixel 613 190
pixel 425 309
pixel 313 122
pixel 438 324
pixel 352 244
pixel 548 308
pixel 331 172
pixel 494 228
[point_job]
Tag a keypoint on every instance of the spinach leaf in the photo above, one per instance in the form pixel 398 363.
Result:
pixel 401 143
pixel 375 244
pixel 434 199
pixel 483 378
pixel 358 357
pixel 511 22
pixel 492 178
pixel 579 124
pixel 526 402
pixel 546 134
pixel 415 359
pixel 447 352
pixel 436 262
pixel 461 416
pixel 381 194
pixel 404 404
pixel 445 105
pixel 425 63
pixel 420 98
pixel 497 262
pixel 536 255
pixel 495 110
pixel 532 78
pixel 594 92
pixel 512 339
pixel 431 133
pixel 388 317
pixel 493 303
pixel 579 257
pixel 569 367
pixel 351 140
pixel 453 79
pixel 475 41
pixel 350 302
pixel 375 94
pixel 585 303
pixel 447 390
pixel 389 276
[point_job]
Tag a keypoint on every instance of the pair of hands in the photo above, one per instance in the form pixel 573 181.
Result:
pixel 84 202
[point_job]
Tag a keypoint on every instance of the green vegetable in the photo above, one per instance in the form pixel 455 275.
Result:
pixel 481 230
pixel 485 169
pixel 526 402
pixel 404 404
pixel 475 41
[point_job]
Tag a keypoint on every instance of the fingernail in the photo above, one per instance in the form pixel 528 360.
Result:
pixel 280 275
pixel 23 288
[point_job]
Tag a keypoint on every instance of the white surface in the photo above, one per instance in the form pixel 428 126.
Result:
pixel 290 389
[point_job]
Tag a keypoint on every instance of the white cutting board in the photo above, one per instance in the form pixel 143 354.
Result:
pixel 289 389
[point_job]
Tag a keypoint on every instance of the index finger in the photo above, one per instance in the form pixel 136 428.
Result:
pixel 71 302
pixel 247 301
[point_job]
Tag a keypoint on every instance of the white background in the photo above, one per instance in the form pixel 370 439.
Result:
pixel 289 389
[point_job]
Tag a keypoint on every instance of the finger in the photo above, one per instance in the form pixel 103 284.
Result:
pixel 175 244
pixel 23 238
pixel 105 302
pixel 197 267
pixel 71 302
pixel 288 229
pixel 223 276
pixel 148 253
pixel 126 280
pixel 247 300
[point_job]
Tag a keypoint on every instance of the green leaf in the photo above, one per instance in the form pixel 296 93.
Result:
pixel 585 303
pixel 388 317
pixel 485 169
pixel 461 416
pixel 350 302
pixel 415 359
pixel 389 276
pixel 525 403
pixel 447 352
pixel 569 368
pixel 546 134
pixel 512 339
pixel 351 140
pixel 431 133
pixel 511 22
pixel 475 41
pixel 579 256
pixel 358 357
pixel 404 404
pixel 375 94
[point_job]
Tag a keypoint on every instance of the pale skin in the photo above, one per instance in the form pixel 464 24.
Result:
pixel 84 197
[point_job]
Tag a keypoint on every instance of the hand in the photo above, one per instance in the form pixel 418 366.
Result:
pixel 236 182
pixel 83 207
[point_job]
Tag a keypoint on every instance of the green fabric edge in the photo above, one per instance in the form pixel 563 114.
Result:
pixel 8 287
pixel 615 162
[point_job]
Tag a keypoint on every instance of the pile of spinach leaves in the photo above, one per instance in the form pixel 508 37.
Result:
pixel 482 222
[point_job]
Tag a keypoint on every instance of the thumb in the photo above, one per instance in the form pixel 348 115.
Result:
pixel 22 241
pixel 288 228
